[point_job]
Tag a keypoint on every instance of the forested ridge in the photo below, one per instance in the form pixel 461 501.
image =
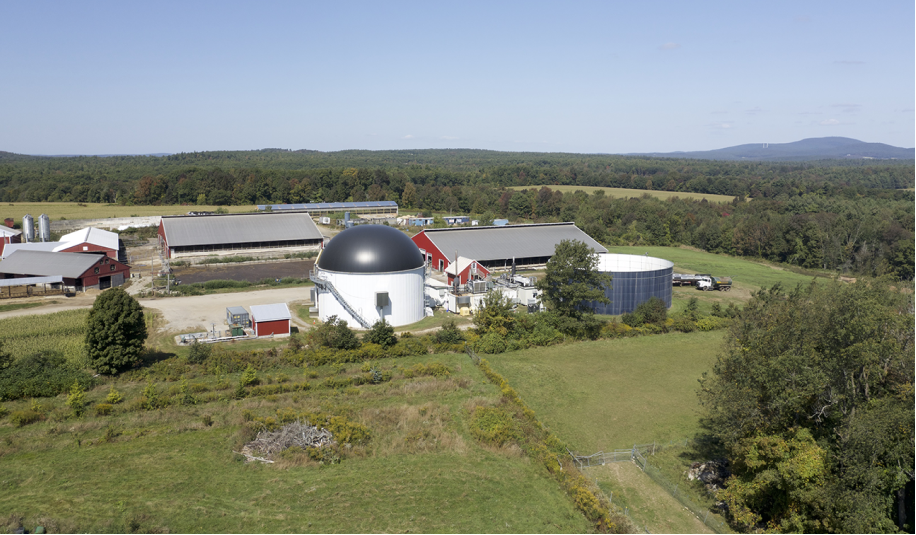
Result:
pixel 849 215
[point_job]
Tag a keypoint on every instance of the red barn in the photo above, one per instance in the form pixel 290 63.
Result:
pixel 270 319
pixel 467 270
pixel 90 240
pixel 80 271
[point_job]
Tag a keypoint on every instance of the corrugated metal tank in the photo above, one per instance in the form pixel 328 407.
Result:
pixel 44 227
pixel 405 296
pixel 28 228
pixel 636 279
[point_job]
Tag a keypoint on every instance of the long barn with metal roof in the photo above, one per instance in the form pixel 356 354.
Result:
pixel 387 208
pixel 237 234
pixel 497 247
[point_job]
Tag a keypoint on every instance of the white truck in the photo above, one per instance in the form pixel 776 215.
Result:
pixel 708 282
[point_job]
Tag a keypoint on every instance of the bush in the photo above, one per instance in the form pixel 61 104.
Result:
pixel 103 409
pixel 76 400
pixel 494 426
pixel 333 334
pixel 492 343
pixel 114 397
pixel 382 333
pixel 24 417
pixel 40 375
pixel 199 352
pixel 449 333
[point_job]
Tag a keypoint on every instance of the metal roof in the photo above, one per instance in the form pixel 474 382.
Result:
pixel 95 236
pixel 370 249
pixel 329 205
pixel 236 310
pixel 42 263
pixel 24 281
pixel 275 312
pixel 9 232
pixel 512 241
pixel 47 246
pixel 238 228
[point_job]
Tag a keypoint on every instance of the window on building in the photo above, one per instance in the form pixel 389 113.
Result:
pixel 96 270
pixel 112 267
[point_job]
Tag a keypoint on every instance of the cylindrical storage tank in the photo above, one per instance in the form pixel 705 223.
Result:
pixel 377 272
pixel 636 279
pixel 44 227
pixel 28 228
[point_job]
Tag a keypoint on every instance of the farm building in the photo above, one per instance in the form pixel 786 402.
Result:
pixel 182 236
pixel 31 286
pixel 270 320
pixel 81 271
pixel 86 240
pixel 8 236
pixel 498 247
pixel 636 279
pixel 456 219
pixel 237 316
pixel 368 273
pixel 467 270
pixel 371 208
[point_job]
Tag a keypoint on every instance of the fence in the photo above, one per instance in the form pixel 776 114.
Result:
pixel 638 454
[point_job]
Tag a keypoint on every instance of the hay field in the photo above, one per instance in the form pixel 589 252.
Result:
pixel 627 193
pixel 71 210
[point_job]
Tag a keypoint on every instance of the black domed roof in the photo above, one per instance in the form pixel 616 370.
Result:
pixel 370 249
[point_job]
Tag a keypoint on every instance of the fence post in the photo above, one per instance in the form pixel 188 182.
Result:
pixel 705 517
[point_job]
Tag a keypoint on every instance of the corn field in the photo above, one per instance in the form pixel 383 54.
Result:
pixel 63 332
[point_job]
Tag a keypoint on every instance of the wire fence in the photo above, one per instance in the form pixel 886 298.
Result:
pixel 639 454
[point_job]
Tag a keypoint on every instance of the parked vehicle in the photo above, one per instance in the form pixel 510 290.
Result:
pixel 708 282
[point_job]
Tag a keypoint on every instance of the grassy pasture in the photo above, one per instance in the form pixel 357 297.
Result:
pixel 72 210
pixel 627 193
pixel 611 394
pixel 167 469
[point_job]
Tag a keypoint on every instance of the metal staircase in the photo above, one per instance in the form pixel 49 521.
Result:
pixel 323 283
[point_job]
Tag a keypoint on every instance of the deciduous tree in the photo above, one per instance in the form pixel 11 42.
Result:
pixel 115 332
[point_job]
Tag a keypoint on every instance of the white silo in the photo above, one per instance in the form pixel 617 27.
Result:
pixel 370 272
pixel 44 228
pixel 28 228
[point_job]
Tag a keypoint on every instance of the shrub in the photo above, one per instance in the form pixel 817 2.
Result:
pixel 76 400
pixel 40 375
pixel 652 311
pixel 24 417
pixel 114 397
pixel 382 333
pixel 199 352
pixel 449 333
pixel 3 411
pixel 103 409
pixel 491 343
pixel 494 426
pixel 333 334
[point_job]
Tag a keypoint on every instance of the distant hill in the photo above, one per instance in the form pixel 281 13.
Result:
pixel 816 148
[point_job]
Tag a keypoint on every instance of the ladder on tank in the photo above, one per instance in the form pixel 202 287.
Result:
pixel 322 283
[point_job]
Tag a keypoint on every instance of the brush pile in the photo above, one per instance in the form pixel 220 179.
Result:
pixel 303 435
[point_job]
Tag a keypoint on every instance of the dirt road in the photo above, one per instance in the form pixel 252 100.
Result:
pixel 198 312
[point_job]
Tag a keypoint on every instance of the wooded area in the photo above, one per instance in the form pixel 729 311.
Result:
pixel 853 216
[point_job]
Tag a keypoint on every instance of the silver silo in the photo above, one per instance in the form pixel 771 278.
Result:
pixel 28 228
pixel 44 227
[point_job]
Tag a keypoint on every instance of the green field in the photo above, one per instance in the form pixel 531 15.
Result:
pixel 168 470
pixel 72 210
pixel 626 193
pixel 612 394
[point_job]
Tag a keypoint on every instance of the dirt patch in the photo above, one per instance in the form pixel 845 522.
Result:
pixel 187 314
pixel 244 272
pixel 648 503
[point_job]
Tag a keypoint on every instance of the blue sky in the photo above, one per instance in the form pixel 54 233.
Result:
pixel 615 77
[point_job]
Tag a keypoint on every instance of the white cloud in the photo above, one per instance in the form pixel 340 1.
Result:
pixel 408 136
pixel 829 122
pixel 669 46
pixel 720 126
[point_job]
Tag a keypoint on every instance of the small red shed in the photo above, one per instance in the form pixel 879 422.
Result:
pixel 270 319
